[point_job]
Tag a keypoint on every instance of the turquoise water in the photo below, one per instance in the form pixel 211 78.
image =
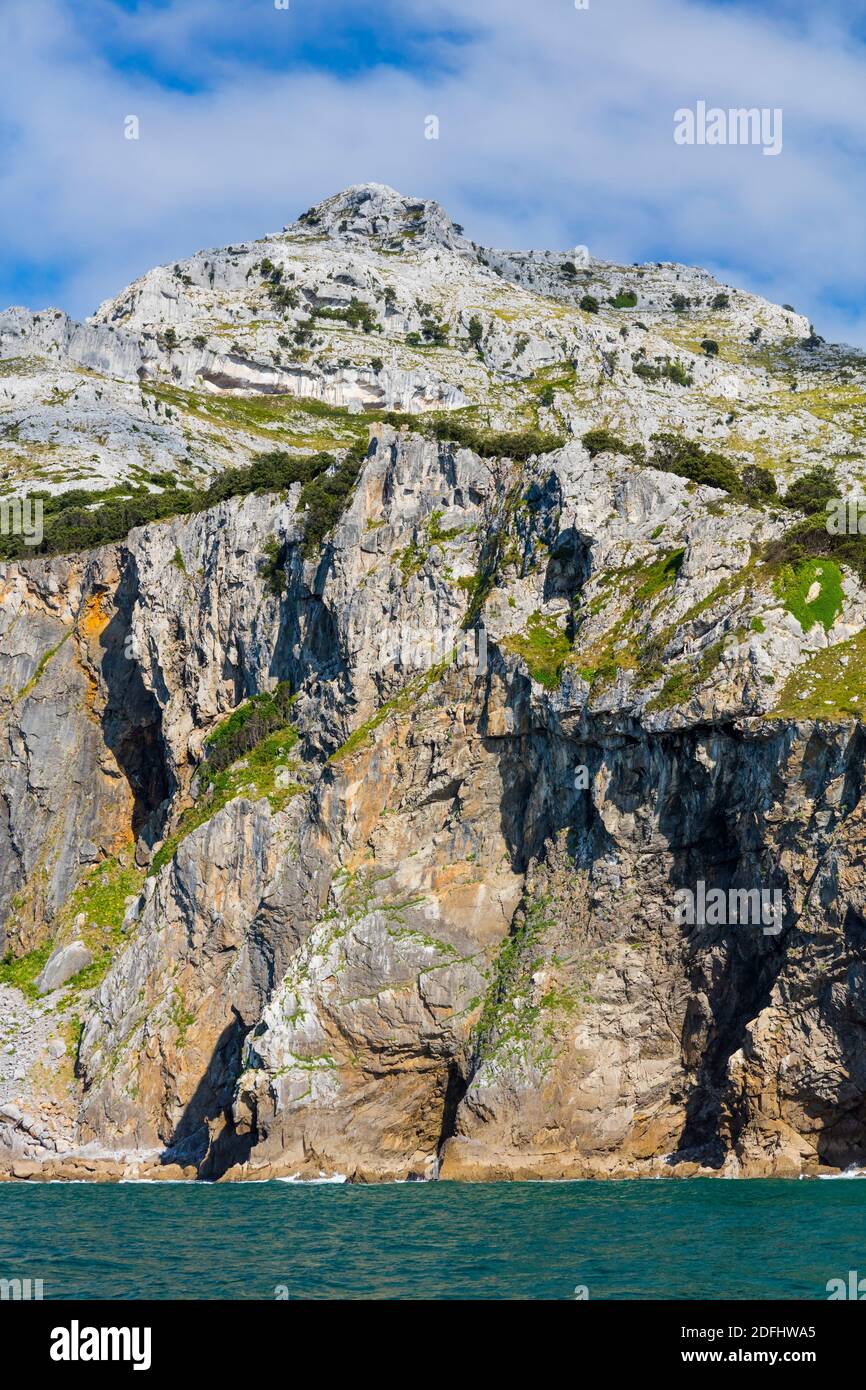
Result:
pixel 623 1240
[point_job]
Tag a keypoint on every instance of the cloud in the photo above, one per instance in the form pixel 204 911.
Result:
pixel 556 128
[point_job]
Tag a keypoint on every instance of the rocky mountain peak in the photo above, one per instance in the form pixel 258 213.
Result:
pixel 378 213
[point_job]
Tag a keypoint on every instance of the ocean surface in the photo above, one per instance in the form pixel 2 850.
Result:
pixel 617 1240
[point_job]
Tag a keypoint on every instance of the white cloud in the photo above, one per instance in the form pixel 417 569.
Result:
pixel 556 129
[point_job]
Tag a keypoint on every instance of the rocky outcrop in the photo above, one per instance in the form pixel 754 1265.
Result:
pixel 374 853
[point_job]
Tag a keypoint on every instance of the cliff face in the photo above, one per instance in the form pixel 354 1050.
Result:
pixel 377 848
pixel 439 924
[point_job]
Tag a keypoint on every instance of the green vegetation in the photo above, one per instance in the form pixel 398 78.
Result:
pixel 674 454
pixel 626 299
pixel 507 1017
pixel 589 304
pixel 325 494
pixel 100 897
pixel 274 567
pixel 356 315
pixel 619 649
pixel 544 647
pixel 41 668
pixel 686 678
pixel 244 728
pixel 603 441
pixel 79 520
pixel 663 371
pixel 812 593
pixel 181 1017
pixel 399 704
pixel 518 444
pixel 811 492
pixel 23 972
pixel 832 685
pixel 254 776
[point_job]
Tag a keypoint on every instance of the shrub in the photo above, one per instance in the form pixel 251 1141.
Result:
pixel 80 520
pixel 324 496
pixel 246 728
pixel 666 371
pixel 602 441
pixel 626 299
pixel 589 304
pixel 721 301
pixel 356 315
pixel 811 492
pixel 759 485
pixel 517 445
pixel 680 303
pixel 476 331
pixel 273 570
pixel 674 454
pixel 435 332
pixel 710 347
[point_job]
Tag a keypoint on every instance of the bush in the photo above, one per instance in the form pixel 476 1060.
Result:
pixel 356 315
pixel 626 299
pixel 666 371
pixel 324 496
pixel 673 454
pixel 517 445
pixel 811 492
pixel 759 485
pixel 80 520
pixel 244 729
pixel 589 304
pixel 273 570
pixel 435 332
pixel 476 331
pixel 680 303
pixel 710 347
pixel 602 441
pixel 721 301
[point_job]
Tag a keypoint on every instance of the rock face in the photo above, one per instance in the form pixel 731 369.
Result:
pixel 62 964
pixel 379 852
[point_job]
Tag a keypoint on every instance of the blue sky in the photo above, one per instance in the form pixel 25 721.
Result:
pixel 556 129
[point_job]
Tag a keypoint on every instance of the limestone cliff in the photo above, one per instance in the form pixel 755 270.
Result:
pixel 373 845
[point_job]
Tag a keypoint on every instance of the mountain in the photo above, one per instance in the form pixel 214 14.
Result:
pixel 414 629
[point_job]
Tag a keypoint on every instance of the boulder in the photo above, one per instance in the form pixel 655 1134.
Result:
pixel 62 964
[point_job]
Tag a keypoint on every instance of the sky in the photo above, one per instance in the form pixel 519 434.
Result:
pixel 555 124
